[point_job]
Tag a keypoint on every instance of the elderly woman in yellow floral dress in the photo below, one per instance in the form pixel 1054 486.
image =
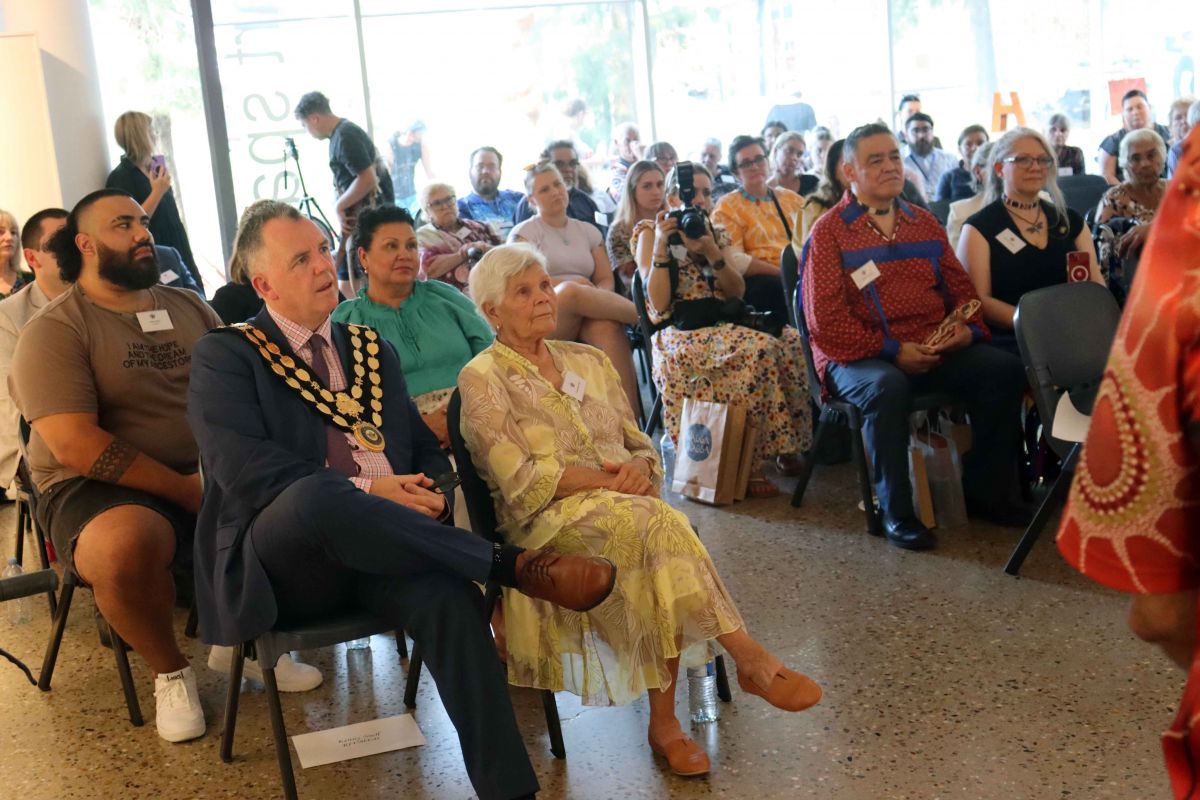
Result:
pixel 552 433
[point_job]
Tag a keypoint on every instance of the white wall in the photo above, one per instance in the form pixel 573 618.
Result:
pixel 29 181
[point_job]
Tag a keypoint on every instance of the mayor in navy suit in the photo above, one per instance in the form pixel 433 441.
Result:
pixel 302 518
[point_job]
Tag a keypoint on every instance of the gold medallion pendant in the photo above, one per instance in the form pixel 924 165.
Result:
pixel 369 436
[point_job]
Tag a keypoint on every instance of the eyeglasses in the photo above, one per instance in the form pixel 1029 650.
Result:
pixel 921 129
pixel 573 163
pixel 757 161
pixel 1144 158
pixel 1027 162
pixel 445 202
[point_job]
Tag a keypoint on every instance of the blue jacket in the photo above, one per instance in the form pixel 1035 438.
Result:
pixel 256 438
pixel 169 260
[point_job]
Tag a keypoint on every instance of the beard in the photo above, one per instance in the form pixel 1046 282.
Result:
pixel 921 147
pixel 485 186
pixel 126 270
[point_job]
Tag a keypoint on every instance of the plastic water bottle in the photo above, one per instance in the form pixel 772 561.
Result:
pixel 359 644
pixel 19 610
pixel 702 692
pixel 667 448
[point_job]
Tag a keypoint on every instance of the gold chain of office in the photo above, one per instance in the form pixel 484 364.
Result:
pixel 345 410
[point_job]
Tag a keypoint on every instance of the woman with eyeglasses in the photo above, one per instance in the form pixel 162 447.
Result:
pixel 760 221
pixel 450 244
pixel 589 310
pixel 643 198
pixel 1142 155
pixel 1020 240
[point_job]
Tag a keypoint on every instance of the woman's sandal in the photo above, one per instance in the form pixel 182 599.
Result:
pixel 789 690
pixel 683 756
pixel 761 488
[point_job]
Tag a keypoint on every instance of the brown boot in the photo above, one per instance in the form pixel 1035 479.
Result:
pixel 578 583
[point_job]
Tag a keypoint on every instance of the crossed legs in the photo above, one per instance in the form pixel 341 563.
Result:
pixel 598 317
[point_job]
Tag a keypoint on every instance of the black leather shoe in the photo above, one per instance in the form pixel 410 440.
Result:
pixel 1006 515
pixel 909 533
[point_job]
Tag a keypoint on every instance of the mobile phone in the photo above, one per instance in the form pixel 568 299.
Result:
pixel 445 483
pixel 1079 266
pixel 157 164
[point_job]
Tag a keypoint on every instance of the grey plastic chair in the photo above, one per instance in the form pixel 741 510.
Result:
pixel 1064 334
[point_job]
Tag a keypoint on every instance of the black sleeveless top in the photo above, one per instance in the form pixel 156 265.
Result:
pixel 1014 274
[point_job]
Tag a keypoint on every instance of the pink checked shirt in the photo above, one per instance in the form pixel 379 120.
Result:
pixel 371 465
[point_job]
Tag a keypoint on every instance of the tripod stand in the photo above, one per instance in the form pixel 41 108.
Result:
pixel 307 204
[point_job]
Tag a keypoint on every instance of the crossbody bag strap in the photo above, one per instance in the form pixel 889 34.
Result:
pixel 782 217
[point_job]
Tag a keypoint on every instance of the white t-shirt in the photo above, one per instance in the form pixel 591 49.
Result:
pixel 568 250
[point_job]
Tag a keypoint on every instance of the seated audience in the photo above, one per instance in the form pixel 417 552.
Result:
pixel 1069 159
pixel 961 210
pixel 433 327
pixel 828 195
pixel 759 221
pixel 663 154
pixel 627 149
pixel 910 104
pixel 103 383
pixel 549 429
pixel 1018 241
pixel 642 199
pixel 1137 197
pixel 588 308
pixel 488 203
pixel 15 312
pixel 147 179
pixel 237 301
pixel 12 277
pixel 1135 115
pixel 710 159
pixel 450 244
pixel 959 183
pixel 770 132
pixel 819 140
pixel 310 512
pixel 172 271
pixel 878 279
pixel 786 158
pixel 1176 151
pixel 581 199
pixel 925 159
pixel 1177 120
pixel 737 363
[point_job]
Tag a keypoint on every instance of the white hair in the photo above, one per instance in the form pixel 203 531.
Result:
pixel 1002 148
pixel 1139 137
pixel 1193 117
pixel 429 189
pixel 489 278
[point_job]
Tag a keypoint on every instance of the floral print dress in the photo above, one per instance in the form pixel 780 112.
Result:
pixel 729 363
pixel 522 433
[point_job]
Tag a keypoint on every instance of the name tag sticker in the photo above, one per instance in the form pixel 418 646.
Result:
pixel 156 320
pixel 1010 240
pixel 865 275
pixel 1064 172
pixel 462 233
pixel 678 251
pixel 168 276
pixel 601 220
pixel 573 386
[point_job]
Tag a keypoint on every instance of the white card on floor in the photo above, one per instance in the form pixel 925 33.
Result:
pixel 1070 424
pixel 358 740
pixel 168 276
pixel 1010 240
pixel 156 320
pixel 573 386
pixel 865 275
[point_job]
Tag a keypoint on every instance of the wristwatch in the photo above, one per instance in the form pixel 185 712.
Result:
pixel 662 264
pixel 718 265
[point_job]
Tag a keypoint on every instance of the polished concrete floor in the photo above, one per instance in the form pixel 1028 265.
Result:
pixel 943 678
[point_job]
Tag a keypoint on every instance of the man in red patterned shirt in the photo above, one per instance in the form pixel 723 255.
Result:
pixel 878 277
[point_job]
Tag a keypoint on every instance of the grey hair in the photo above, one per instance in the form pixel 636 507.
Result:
pixel 1059 120
pixel 1002 148
pixel 429 189
pixel 538 169
pixel 489 278
pixel 712 141
pixel 249 239
pixel 981 160
pixel 1194 114
pixel 1140 136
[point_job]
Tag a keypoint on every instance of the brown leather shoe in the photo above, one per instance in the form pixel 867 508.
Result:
pixel 789 690
pixel 578 583
pixel 683 756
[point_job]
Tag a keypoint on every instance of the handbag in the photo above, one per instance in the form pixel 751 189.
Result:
pixel 709 455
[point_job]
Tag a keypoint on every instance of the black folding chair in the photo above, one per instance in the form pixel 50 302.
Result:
pixel 63 607
pixel 940 209
pixel 638 292
pixel 1082 192
pixel 834 411
pixel 27 523
pixel 1064 334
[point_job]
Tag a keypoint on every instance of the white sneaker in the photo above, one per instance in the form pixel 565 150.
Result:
pixel 178 714
pixel 290 675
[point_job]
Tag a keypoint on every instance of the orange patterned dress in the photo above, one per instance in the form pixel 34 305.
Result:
pixel 1133 517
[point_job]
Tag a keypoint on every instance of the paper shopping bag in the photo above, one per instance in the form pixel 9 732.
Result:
pixel 706 460
pixel 918 474
pixel 746 462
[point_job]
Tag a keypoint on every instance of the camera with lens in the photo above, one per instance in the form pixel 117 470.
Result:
pixel 474 254
pixel 693 221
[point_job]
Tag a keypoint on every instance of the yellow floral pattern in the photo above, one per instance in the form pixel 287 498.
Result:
pixel 522 433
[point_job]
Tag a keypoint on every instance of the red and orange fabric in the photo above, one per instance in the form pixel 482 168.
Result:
pixel 1133 517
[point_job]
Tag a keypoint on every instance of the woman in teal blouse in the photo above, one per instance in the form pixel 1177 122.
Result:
pixel 433 326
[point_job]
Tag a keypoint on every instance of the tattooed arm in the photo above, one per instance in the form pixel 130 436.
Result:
pixel 80 444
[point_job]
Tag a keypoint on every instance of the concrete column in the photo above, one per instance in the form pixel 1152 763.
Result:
pixel 63 31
